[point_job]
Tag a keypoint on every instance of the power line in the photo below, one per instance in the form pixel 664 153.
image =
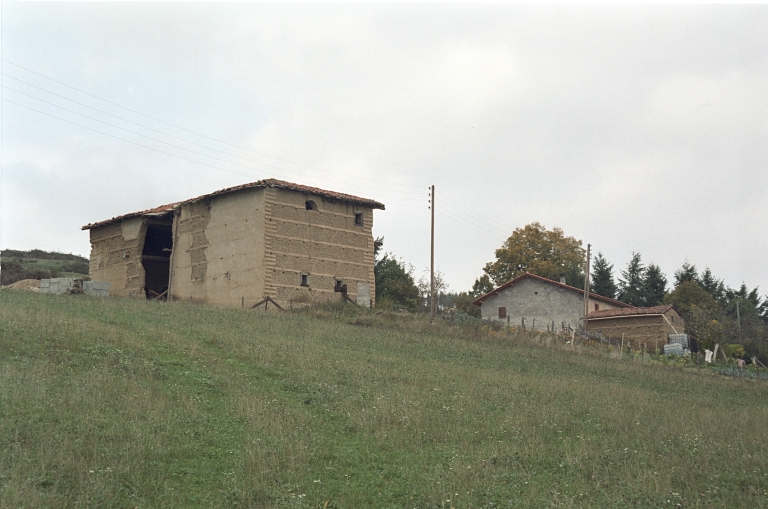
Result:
pixel 484 219
pixel 489 227
pixel 183 128
pixel 180 147
pixel 459 220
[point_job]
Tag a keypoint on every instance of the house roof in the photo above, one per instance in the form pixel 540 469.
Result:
pixel 528 275
pixel 611 313
pixel 280 184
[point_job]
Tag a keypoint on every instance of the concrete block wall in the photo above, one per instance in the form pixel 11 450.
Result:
pixel 56 286
pixel 96 288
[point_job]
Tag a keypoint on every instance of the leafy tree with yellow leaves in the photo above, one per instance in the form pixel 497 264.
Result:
pixel 535 249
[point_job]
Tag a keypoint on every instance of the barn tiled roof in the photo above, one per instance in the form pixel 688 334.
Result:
pixel 610 313
pixel 528 275
pixel 280 184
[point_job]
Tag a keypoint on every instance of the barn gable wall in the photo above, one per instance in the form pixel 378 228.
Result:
pixel 116 256
pixel 324 243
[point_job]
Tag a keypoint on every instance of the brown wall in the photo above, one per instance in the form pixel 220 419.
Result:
pixel 218 250
pixel 649 329
pixel 116 256
pixel 237 248
pixel 324 243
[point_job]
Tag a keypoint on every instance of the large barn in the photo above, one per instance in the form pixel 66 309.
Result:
pixel 290 243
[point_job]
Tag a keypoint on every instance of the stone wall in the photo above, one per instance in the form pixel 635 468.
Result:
pixel 534 299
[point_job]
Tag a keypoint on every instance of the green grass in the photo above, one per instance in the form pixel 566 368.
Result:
pixel 127 403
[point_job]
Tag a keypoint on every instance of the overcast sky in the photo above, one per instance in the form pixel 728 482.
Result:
pixel 633 128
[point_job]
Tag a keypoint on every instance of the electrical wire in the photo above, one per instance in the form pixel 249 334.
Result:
pixel 184 148
pixel 183 128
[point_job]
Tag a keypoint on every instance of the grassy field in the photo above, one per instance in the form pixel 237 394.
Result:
pixel 122 403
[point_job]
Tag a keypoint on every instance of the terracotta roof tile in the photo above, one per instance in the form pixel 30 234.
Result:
pixel 280 184
pixel 519 278
pixel 609 313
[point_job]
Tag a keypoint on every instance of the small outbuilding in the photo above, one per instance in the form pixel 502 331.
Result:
pixel 538 303
pixel 650 326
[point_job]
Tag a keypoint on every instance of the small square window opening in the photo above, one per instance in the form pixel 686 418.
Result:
pixel 502 312
pixel 358 219
pixel 305 280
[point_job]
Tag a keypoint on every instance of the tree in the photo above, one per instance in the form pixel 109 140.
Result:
pixel 601 280
pixel 463 302
pixel 631 287
pixel 425 289
pixel 534 249
pixel 690 294
pixel 482 286
pixel 394 283
pixel 654 286
pixel 713 286
pixel 686 273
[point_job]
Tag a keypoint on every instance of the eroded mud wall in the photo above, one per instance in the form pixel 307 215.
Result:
pixel 116 256
pixel 219 250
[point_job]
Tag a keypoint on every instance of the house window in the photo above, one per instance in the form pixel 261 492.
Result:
pixel 597 306
pixel 358 219
pixel 310 205
pixel 502 312
pixel 305 280
pixel 339 285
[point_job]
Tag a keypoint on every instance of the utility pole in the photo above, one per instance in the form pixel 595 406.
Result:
pixel 586 286
pixel 432 258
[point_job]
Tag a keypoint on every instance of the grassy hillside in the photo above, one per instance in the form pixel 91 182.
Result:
pixel 38 264
pixel 123 403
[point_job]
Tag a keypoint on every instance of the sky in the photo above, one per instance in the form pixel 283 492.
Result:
pixel 638 128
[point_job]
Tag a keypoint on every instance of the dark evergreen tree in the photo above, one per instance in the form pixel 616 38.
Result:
pixel 654 286
pixel 631 287
pixel 713 286
pixel 686 273
pixel 601 280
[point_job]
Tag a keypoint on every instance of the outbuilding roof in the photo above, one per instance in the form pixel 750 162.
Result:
pixel 280 184
pixel 611 313
pixel 528 275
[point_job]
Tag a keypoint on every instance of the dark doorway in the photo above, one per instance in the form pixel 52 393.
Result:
pixel 156 259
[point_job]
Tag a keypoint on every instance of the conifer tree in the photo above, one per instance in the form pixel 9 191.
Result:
pixel 654 286
pixel 631 286
pixel 686 273
pixel 601 280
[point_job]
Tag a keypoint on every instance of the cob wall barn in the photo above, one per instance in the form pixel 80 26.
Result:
pixel 235 247
pixel 650 326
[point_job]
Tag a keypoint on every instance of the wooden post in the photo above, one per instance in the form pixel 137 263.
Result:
pixel 176 214
pixel 533 326
pixel 586 287
pixel 698 362
pixel 432 259
pixel 621 352
pixel 242 302
pixel 643 352
pixel 757 372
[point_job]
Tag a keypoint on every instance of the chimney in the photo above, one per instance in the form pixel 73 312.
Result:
pixel 562 279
